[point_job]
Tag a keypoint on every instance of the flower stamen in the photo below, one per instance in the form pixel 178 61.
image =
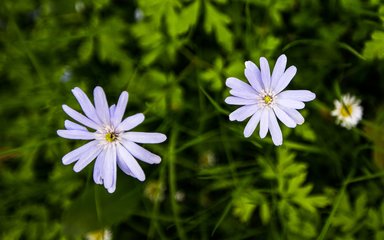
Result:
pixel 267 99
pixel 111 136
pixel 346 110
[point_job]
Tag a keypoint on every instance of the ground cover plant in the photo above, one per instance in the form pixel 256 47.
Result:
pixel 263 119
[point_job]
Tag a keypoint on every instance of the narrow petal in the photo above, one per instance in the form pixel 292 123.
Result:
pixel 299 95
pixel 130 163
pixel 274 129
pixel 239 101
pixel 80 117
pixel 253 75
pixel 284 117
pixel 86 158
pixel 98 168
pixel 141 153
pixel 240 86
pixel 85 104
pixel 243 94
pixel 289 103
pixel 285 79
pixel 278 70
pixel 113 187
pixel 243 113
pixel 75 154
pixel 264 122
pixel 112 110
pixel 69 125
pixel 131 122
pixel 109 168
pixel 294 114
pixel 144 137
pixel 265 73
pixel 121 164
pixel 101 104
pixel 252 123
pixel 76 134
pixel 120 109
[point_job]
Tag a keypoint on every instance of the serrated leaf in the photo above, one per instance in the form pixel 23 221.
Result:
pixel 375 48
pixel 265 213
pixel 188 17
pixel 295 183
pixel 217 22
pixel 361 205
pixel 86 49
pixel 373 219
pixel 244 206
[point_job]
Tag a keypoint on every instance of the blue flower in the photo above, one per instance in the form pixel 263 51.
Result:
pixel 112 141
pixel 264 99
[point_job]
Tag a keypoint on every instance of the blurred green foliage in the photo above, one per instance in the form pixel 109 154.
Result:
pixel 173 57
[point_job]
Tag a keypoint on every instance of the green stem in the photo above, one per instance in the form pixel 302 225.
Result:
pixel 172 182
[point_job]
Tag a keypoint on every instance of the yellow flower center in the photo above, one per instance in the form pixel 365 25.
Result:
pixel 346 110
pixel 111 136
pixel 267 99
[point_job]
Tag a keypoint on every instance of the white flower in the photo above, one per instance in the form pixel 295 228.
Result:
pixel 103 234
pixel 112 141
pixel 348 111
pixel 264 99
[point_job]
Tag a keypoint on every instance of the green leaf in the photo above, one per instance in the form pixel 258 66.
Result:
pixel 375 48
pixel 361 205
pixel 265 213
pixel 245 204
pixel 96 208
pixel 295 183
pixel 217 22
pixel 86 49
pixel 188 17
pixel 111 37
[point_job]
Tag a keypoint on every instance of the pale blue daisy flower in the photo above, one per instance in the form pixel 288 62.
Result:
pixel 112 141
pixel 264 99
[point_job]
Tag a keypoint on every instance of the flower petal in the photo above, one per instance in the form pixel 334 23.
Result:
pixel 240 86
pixel 243 94
pixel 120 109
pixel 239 101
pixel 76 134
pixel 101 104
pixel 284 117
pixel 265 73
pixel 274 129
pixel 144 137
pixel 112 110
pixel 253 75
pixel 130 122
pixel 264 122
pixel 141 153
pixel 289 103
pixel 75 154
pixel 110 169
pixel 69 125
pixel 86 104
pixel 252 123
pixel 299 95
pixel 294 114
pixel 243 113
pixel 278 70
pixel 80 117
pixel 129 162
pixel 86 158
pixel 285 79
pixel 98 175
